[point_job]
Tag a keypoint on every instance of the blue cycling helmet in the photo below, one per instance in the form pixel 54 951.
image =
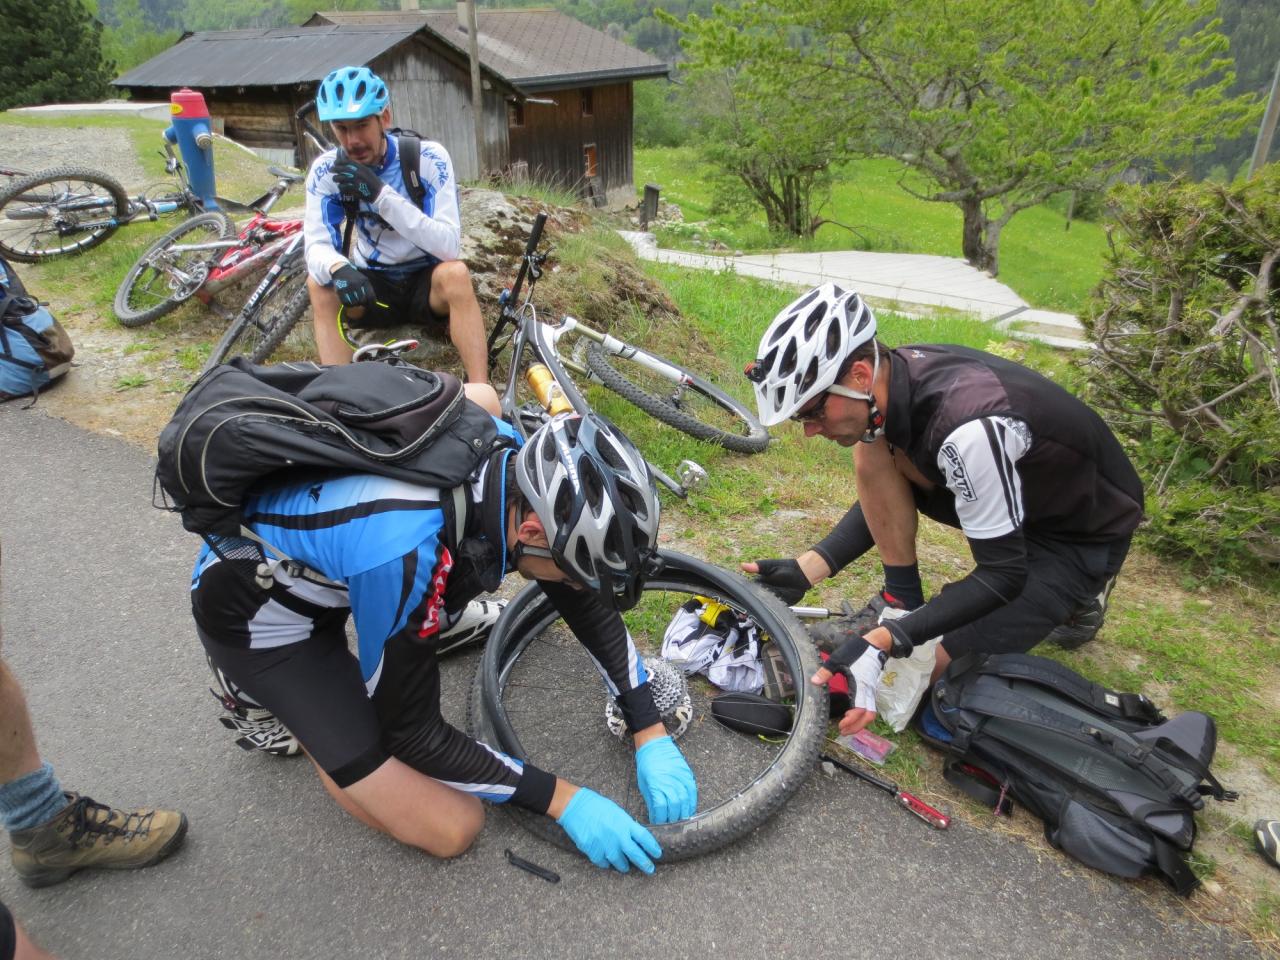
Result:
pixel 350 93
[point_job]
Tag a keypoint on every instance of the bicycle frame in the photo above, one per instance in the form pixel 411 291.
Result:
pixel 542 339
pixel 261 240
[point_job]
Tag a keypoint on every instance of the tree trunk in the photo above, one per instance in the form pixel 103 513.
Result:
pixel 981 242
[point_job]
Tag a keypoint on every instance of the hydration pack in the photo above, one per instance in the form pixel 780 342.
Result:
pixel 242 426
pixel 34 348
pixel 1115 782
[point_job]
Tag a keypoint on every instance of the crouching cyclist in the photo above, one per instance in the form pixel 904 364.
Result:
pixel 575 509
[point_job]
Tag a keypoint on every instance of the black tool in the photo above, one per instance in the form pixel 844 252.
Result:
pixel 549 875
pixel 909 801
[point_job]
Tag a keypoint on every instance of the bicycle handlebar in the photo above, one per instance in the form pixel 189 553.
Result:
pixel 527 260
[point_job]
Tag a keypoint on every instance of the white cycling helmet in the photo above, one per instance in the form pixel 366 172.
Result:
pixel 804 348
pixel 597 501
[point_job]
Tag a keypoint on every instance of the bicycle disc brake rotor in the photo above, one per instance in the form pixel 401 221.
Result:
pixel 670 696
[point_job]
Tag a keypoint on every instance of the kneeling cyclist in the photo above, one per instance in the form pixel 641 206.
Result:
pixel 574 509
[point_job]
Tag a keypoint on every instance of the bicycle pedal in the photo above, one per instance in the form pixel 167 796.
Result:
pixel 691 475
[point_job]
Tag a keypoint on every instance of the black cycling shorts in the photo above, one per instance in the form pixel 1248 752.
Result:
pixel 314 687
pixel 8 934
pixel 1062 576
pixel 407 299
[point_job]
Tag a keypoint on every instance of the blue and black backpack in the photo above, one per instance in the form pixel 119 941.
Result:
pixel 34 349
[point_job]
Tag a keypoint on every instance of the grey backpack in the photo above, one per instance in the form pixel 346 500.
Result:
pixel 1115 782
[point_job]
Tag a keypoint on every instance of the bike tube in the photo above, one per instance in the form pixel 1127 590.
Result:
pixel 538 696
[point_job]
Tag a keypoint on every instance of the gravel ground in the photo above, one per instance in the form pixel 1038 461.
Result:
pixel 97 148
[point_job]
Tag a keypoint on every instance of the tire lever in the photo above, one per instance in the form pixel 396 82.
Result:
pixel 549 875
pixel 908 801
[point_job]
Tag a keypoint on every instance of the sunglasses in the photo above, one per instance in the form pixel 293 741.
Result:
pixel 818 411
pixel 815 413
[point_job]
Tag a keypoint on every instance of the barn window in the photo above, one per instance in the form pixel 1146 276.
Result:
pixel 589 159
pixel 588 102
pixel 515 113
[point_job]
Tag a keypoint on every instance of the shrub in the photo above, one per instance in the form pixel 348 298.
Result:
pixel 1188 362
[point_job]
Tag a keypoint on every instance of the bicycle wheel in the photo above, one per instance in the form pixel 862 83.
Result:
pixel 43 215
pixel 538 696
pixel 163 277
pixel 696 407
pixel 256 335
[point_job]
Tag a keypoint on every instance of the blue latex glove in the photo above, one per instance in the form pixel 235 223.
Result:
pixel 356 181
pixel 667 783
pixel 606 835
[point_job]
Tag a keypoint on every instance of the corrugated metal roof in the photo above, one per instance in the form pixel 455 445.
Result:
pixel 286 55
pixel 530 48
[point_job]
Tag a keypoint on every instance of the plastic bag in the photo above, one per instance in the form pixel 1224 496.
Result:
pixel 905 680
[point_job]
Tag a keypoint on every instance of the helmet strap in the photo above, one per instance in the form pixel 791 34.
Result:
pixel 875 417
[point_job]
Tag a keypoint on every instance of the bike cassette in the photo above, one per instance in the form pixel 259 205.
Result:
pixel 670 696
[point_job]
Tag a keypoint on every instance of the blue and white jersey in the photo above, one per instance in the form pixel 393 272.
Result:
pixel 391 233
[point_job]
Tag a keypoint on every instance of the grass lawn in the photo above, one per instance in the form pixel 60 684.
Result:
pixel 1046 264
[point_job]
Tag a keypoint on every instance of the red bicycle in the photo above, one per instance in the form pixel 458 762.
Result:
pixel 204 255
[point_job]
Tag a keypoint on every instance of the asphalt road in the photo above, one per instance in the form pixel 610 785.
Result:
pixel 96 625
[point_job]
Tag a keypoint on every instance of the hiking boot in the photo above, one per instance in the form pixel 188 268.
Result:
pixel 472 626
pixel 1083 625
pixel 828 635
pixel 87 835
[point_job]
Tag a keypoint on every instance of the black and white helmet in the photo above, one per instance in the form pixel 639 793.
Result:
pixel 597 501
pixel 804 348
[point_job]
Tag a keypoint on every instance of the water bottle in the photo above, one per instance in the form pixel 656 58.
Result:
pixel 547 390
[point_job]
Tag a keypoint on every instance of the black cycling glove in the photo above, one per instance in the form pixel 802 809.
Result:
pixel 356 182
pixel 784 578
pixel 352 287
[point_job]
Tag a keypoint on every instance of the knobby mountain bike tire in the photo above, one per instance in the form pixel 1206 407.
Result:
pixel 161 279
pixel 257 335
pixel 33 208
pixel 698 408
pixel 538 696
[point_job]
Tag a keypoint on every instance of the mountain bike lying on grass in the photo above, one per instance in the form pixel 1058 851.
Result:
pixel 204 255
pixel 672 394
pixel 65 210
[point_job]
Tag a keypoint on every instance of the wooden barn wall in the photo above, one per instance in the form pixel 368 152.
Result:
pixel 255 118
pixel 553 137
pixel 432 95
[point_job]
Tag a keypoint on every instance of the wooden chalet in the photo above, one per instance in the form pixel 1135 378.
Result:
pixel 557 96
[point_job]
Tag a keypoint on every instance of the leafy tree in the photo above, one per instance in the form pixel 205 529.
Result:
pixel 129 38
pixel 53 54
pixel 660 117
pixel 773 139
pixel 1254 31
pixel 996 107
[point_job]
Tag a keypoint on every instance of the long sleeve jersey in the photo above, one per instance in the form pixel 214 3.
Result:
pixel 391 233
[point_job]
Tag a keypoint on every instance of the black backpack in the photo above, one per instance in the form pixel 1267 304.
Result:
pixel 243 426
pixel 1115 783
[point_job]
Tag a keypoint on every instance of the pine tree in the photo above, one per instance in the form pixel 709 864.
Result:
pixel 53 54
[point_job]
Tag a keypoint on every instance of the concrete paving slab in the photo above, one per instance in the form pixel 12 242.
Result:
pixel 140 108
pixel 97 627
